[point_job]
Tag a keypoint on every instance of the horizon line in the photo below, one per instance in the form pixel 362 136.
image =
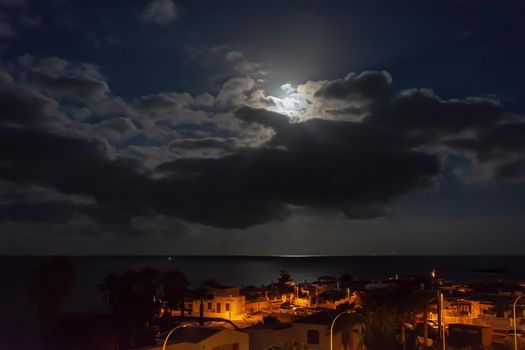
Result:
pixel 264 256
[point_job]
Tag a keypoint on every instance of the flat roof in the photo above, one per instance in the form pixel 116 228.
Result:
pixel 324 318
pixel 192 335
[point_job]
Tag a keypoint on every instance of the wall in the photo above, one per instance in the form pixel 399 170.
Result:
pixel 237 307
pixel 257 305
pixel 225 338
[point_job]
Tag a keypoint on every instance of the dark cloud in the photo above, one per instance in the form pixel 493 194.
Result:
pixel 191 144
pixel 479 126
pixel 30 21
pixel 6 28
pixel 61 78
pixel 264 117
pixel 370 84
pixel 171 108
pixel 511 170
pixel 162 101
pixel 160 12
pixel 204 147
pixel 73 87
pixel 316 164
pixel 319 164
pixel 507 138
pixel 26 107
pixel 420 113
pixel 316 134
pixel 214 173
pixel 414 113
pixel 234 91
pixel 500 147
pixel 116 129
pixel 70 165
pixel 44 211
pixel 20 3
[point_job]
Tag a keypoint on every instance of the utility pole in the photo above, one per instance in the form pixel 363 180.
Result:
pixel 443 322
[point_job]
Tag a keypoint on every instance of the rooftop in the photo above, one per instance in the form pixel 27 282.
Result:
pixel 323 317
pixel 492 298
pixel 192 335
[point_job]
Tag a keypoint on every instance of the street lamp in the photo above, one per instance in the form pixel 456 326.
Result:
pixel 173 330
pixel 332 327
pixel 514 322
pixel 443 331
pixel 442 326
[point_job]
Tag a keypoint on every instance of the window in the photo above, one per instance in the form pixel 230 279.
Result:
pixel 465 309
pixel 312 337
pixel 227 306
pixel 218 307
pixel 209 306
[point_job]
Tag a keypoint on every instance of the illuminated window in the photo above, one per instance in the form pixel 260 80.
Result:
pixel 312 337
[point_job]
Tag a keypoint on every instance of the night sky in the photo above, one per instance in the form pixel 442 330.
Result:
pixel 262 127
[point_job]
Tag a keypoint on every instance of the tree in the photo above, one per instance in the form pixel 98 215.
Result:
pixel 202 294
pixel 344 280
pixel 386 313
pixel 346 326
pixel 131 299
pixel 50 284
pixel 147 288
pixel 282 282
pixel 174 289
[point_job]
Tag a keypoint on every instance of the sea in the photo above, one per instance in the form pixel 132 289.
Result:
pixel 19 328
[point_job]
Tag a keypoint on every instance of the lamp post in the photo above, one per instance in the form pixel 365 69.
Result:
pixel 442 326
pixel 332 327
pixel 442 320
pixel 230 306
pixel 173 330
pixel 514 321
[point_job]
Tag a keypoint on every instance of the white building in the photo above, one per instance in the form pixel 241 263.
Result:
pixel 309 333
pixel 225 302
pixel 204 338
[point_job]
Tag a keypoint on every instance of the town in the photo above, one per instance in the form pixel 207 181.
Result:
pixel 153 310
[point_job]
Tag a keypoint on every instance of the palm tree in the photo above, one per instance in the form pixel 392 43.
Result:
pixel 385 311
pixel 131 298
pixel 389 311
pixel 346 326
pixel 117 290
pixel 282 282
pixel 110 288
pixel 422 302
pixel 344 280
pixel 174 288
pixel 202 294
pixel 147 288
pixel 51 282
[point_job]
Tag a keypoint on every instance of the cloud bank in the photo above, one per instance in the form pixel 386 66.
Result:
pixel 234 157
